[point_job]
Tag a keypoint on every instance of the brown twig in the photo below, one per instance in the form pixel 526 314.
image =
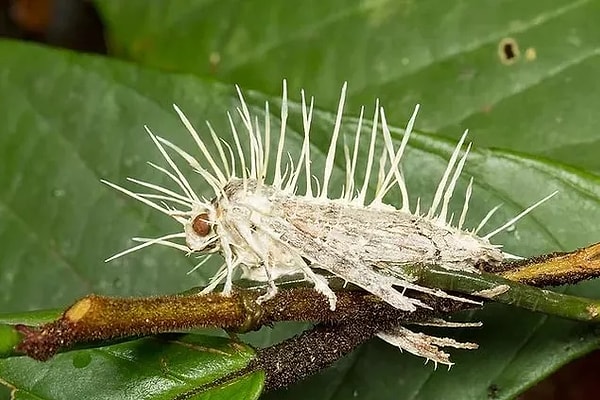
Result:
pixel 97 318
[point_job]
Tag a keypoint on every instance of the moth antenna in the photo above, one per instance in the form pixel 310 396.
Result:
pixel 162 189
pixel 201 145
pixel 165 243
pixel 463 214
pixel 185 185
pixel 363 191
pixel 418 206
pixel 277 181
pixel 146 244
pixel 220 149
pixel 240 151
pixel 333 143
pixel 208 177
pixel 521 215
pixel 352 183
pixel 450 189
pixel 442 185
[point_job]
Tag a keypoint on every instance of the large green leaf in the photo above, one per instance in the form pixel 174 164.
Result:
pixel 443 55
pixel 78 119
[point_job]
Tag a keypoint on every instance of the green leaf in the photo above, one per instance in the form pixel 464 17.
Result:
pixel 60 135
pixel 159 367
pixel 442 55
pixel 151 368
pixel 79 119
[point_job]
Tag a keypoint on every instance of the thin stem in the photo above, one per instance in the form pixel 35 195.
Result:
pixel 505 291
pixel 96 319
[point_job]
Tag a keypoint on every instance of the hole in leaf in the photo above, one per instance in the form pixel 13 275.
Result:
pixel 508 51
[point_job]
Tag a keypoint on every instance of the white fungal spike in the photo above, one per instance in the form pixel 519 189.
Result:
pixel 221 177
pixel 450 189
pixel 521 215
pixel 267 142
pixel 363 191
pixel 423 345
pixel 463 214
pixel 486 219
pixel 351 181
pixel 306 121
pixel 161 239
pixel 333 143
pixel 267 231
pixel 394 171
pixel 277 181
pixel 440 189
pixel 220 149
pixel 181 180
pixel 165 243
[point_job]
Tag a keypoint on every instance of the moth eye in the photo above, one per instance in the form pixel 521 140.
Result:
pixel 200 224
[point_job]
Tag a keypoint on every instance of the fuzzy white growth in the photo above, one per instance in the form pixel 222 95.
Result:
pixel 265 230
pixel 423 345
pixel 333 144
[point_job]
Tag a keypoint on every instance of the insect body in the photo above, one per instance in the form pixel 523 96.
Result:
pixel 262 227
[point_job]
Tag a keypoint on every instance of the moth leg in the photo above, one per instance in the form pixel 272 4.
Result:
pixel 272 290
pixel 321 285
pixel 228 287
pixel 231 264
pixel 215 280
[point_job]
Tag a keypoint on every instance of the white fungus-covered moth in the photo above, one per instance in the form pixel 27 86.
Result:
pixel 264 229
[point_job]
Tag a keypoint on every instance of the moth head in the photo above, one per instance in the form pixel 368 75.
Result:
pixel 200 232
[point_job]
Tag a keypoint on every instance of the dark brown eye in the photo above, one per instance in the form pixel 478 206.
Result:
pixel 200 224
